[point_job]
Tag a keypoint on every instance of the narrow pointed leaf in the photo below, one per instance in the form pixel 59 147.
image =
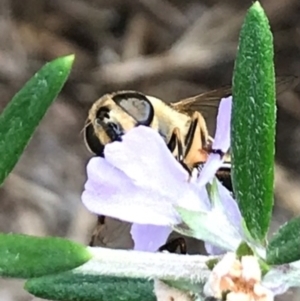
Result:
pixel 253 122
pixel 24 112
pixel 284 246
pixel 70 286
pixel 24 256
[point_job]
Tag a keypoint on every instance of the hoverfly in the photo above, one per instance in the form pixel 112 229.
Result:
pixel 114 114
pixel 182 125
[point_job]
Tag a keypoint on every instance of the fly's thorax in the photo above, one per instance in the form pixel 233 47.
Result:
pixel 167 119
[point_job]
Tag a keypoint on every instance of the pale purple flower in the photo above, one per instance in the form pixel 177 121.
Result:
pixel 140 181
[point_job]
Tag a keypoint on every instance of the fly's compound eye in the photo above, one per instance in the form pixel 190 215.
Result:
pixel 136 105
pixel 92 141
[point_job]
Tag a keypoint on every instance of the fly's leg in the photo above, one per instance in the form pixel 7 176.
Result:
pixel 196 141
pixel 194 150
pixel 175 143
pixel 100 221
pixel 173 245
pixel 224 176
pixel 212 150
pixel 198 122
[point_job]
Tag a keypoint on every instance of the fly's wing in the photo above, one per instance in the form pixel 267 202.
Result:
pixel 207 103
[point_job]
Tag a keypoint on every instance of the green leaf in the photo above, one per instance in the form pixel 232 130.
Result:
pixel 71 286
pixel 243 250
pixel 24 112
pixel 284 246
pixel 24 256
pixel 212 263
pixel 253 122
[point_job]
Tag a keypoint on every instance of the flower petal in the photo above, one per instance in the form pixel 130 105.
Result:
pixel 225 204
pixel 212 165
pixel 199 203
pixel 222 135
pixel 139 181
pixel 109 192
pixel 221 141
pixel 213 250
pixel 149 237
pixel 212 227
pixel 230 207
pixel 230 217
pixel 226 233
pixel 144 157
pixel 251 269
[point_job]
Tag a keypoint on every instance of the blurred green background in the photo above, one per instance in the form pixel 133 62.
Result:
pixel 171 49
